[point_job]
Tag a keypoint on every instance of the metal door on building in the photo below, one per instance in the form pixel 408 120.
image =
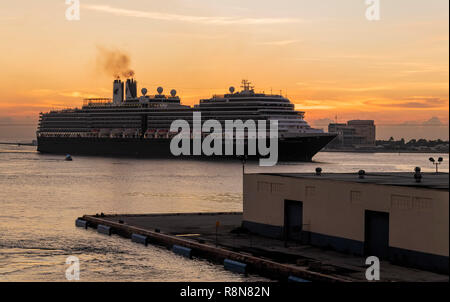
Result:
pixel 293 219
pixel 376 241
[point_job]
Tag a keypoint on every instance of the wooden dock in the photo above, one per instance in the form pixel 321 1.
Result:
pixel 219 238
pixel 120 225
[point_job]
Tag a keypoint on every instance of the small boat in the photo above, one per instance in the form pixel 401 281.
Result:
pixel 68 157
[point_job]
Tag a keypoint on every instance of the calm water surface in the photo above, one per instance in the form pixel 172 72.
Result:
pixel 41 195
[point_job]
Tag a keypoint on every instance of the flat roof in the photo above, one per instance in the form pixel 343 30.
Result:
pixel 429 180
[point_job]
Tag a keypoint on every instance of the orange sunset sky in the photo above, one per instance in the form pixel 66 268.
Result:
pixel 324 54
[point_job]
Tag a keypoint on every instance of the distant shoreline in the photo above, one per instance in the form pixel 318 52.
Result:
pixel 323 150
pixel 384 151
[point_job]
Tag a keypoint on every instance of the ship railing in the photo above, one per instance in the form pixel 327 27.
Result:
pixel 64 134
pixel 97 101
pixel 165 133
pixel 154 133
pixel 240 94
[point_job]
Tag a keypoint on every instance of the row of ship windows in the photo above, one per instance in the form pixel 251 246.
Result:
pixel 132 125
pixel 171 111
pixel 135 118
pixel 139 122
pixel 134 134
pixel 240 115
pixel 179 108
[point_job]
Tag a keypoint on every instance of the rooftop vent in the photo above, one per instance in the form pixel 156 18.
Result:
pixel 362 174
pixel 418 175
pixel 318 171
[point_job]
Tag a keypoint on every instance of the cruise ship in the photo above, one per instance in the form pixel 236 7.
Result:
pixel 139 126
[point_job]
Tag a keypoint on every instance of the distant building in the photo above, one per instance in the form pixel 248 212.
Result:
pixel 389 215
pixel 354 133
pixel 347 136
pixel 365 129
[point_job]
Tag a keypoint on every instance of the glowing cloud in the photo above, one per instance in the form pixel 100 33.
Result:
pixel 186 18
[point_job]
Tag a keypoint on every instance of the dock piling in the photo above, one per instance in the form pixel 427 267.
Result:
pixel 103 229
pixel 182 251
pixel 137 238
pixel 81 223
pixel 296 279
pixel 235 266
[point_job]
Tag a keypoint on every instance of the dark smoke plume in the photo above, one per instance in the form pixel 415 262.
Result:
pixel 114 62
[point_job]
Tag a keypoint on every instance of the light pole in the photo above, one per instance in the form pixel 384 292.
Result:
pixel 436 163
pixel 243 159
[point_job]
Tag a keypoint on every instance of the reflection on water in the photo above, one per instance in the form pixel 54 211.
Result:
pixel 41 195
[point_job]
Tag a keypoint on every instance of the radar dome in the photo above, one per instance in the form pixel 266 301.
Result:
pixel 144 91
pixel 231 89
pixel 160 90
pixel 173 92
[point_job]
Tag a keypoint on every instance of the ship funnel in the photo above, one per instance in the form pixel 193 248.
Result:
pixel 131 89
pixel 118 92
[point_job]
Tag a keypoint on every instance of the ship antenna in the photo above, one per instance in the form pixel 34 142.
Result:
pixel 246 85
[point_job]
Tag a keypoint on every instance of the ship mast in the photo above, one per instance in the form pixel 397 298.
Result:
pixel 246 85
